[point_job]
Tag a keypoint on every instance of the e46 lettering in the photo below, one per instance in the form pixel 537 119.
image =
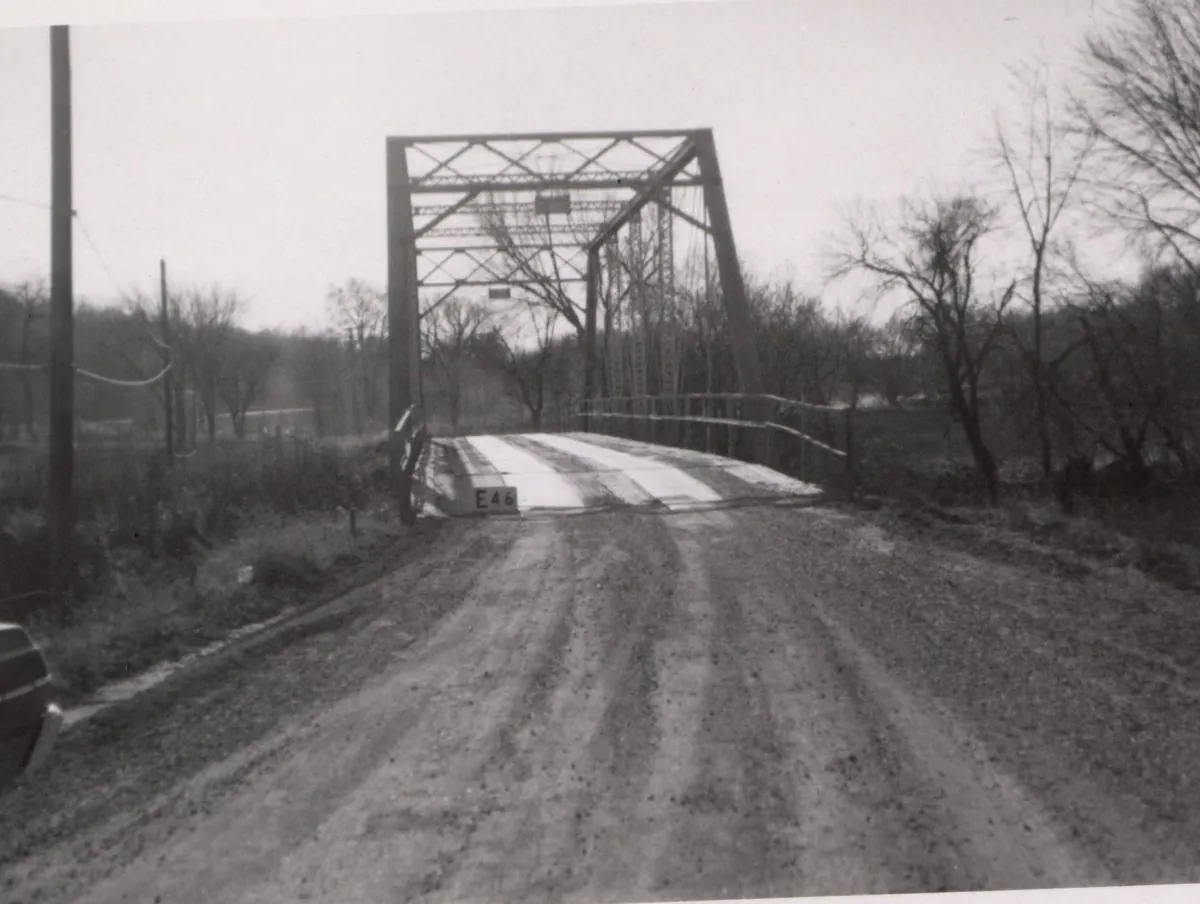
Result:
pixel 498 499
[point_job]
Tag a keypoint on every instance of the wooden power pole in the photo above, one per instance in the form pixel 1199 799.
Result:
pixel 62 328
pixel 168 381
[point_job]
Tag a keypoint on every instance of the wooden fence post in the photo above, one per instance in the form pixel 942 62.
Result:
pixel 730 416
pixel 690 434
pixel 850 463
pixel 708 427
pixel 803 447
pixel 770 462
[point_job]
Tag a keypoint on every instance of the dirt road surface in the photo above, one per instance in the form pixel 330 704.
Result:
pixel 666 698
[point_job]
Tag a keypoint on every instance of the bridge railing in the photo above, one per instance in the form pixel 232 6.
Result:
pixel 812 442
pixel 413 435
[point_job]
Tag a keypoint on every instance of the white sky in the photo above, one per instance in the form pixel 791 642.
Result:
pixel 251 153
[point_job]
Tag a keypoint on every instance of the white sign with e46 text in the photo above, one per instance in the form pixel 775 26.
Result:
pixel 496 500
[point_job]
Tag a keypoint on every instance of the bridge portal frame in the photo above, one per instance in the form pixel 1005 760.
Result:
pixel 691 161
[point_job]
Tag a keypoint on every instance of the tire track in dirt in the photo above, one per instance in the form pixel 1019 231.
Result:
pixel 421 818
pixel 178 748
pixel 143 834
pixel 821 776
pixel 586 749
pixel 782 803
pixel 1107 742
pixel 982 828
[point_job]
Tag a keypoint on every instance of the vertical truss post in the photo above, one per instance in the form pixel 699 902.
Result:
pixel 404 353
pixel 589 334
pixel 638 319
pixel 615 383
pixel 666 290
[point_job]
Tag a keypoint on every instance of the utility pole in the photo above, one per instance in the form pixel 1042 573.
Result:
pixel 168 381
pixel 62 327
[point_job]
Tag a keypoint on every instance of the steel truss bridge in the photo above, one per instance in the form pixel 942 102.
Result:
pixel 576 213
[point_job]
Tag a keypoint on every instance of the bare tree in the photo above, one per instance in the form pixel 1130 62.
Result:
pixel 1142 81
pixel 791 327
pixel 1140 386
pixel 208 321
pixel 543 272
pixel 539 270
pixel 249 358
pixel 1042 172
pixel 359 312
pixel 450 332
pixel 139 345
pixel 895 359
pixel 317 369
pixel 33 298
pixel 854 343
pixel 931 256
pixel 521 346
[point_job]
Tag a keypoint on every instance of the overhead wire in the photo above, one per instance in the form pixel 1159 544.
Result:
pixel 100 378
pixel 100 257
pixel 111 381
pixel 75 217
pixel 15 200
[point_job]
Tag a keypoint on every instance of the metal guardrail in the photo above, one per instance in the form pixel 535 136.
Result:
pixel 412 431
pixel 666 409
pixel 408 427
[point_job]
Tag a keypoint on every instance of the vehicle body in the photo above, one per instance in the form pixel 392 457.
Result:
pixel 30 720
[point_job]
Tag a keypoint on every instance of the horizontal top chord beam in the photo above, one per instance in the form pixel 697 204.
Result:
pixel 638 181
pixel 542 136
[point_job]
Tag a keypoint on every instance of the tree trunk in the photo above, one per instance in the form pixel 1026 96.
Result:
pixel 181 422
pixel 319 417
pixel 985 461
pixel 454 400
pixel 209 402
pixel 356 400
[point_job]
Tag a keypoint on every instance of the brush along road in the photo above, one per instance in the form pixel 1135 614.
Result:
pixel 660 698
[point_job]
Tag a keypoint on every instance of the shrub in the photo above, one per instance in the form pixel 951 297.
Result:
pixel 130 504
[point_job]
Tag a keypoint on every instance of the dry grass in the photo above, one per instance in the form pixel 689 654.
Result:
pixel 121 500
pixel 140 594
pixel 150 617
pixel 919 461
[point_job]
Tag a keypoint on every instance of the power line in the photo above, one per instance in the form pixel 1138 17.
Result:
pixel 124 383
pixel 100 257
pixel 15 200
pixel 82 228
pixel 100 378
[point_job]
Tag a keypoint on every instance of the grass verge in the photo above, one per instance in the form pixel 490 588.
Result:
pixel 270 563
pixel 1035 531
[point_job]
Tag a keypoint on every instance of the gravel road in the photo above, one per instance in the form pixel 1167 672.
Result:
pixel 648 705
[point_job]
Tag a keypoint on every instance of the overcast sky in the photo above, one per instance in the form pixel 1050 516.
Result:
pixel 251 153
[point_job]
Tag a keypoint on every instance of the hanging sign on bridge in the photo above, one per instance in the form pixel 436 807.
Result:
pixel 496 500
pixel 546 204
